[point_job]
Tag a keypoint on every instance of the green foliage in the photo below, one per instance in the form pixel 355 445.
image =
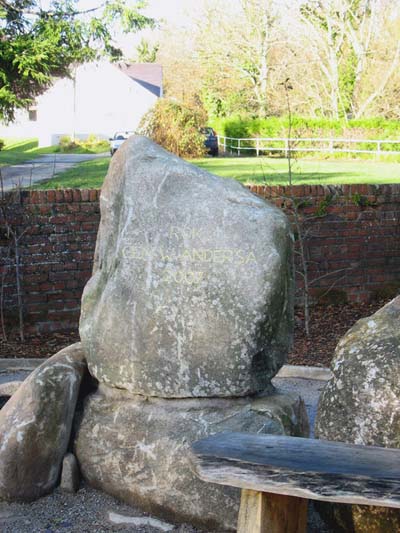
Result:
pixel 323 205
pixel 238 126
pixel 360 200
pixel 147 53
pixel 220 104
pixel 91 145
pixel 175 127
pixel 2 143
pixel 277 127
pixel 66 144
pixel 37 44
pixel 347 81
pixel 301 203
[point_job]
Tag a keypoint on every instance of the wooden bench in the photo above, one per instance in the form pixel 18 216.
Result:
pixel 278 475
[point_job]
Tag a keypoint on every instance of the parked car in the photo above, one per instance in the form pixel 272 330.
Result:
pixel 210 140
pixel 118 139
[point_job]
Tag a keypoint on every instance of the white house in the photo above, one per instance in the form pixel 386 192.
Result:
pixel 101 99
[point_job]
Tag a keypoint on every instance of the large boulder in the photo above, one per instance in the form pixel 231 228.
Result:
pixel 192 289
pixel 35 426
pixel 361 405
pixel 137 449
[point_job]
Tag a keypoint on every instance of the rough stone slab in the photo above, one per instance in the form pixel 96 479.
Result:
pixel 8 389
pixel 137 449
pixel 192 275
pixel 35 426
pixel 70 475
pixel 304 468
pixel 305 372
pixel 8 364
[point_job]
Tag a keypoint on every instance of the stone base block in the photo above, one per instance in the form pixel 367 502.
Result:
pixel 137 449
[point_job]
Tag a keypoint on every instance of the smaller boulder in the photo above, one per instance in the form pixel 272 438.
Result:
pixel 138 449
pixel 35 426
pixel 361 405
pixel 8 388
pixel 70 476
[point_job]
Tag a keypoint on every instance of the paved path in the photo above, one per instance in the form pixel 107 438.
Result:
pixel 43 167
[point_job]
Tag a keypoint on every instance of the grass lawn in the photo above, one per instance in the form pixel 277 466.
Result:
pixel 17 151
pixel 251 170
pixel 87 175
pixel 263 170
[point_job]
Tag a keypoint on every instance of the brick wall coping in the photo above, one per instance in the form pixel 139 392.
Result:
pixel 93 195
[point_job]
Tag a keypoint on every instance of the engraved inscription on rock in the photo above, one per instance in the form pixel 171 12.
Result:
pixel 185 263
pixel 192 286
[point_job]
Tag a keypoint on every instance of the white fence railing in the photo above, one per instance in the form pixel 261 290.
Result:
pixel 261 145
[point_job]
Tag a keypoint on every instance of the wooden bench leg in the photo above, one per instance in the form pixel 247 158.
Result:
pixel 262 512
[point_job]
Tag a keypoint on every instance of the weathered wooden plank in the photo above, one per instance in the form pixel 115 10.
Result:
pixel 305 468
pixel 271 513
pixel 252 512
pixel 285 514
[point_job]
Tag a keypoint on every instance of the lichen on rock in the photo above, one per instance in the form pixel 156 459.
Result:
pixel 35 426
pixel 361 405
pixel 192 288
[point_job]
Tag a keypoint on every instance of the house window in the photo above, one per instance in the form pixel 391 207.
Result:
pixel 32 115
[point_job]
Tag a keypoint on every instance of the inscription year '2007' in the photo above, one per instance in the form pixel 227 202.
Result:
pixel 190 258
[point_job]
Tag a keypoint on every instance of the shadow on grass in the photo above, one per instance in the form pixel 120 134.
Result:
pixel 18 150
pixel 24 145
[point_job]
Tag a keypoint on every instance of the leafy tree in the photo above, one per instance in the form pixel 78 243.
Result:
pixel 239 46
pixel 176 127
pixel 325 26
pixel 344 40
pixel 38 44
pixel 147 53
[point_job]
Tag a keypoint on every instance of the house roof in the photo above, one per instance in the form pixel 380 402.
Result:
pixel 148 75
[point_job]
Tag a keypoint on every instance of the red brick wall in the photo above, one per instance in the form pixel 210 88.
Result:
pixel 352 239
pixel 56 254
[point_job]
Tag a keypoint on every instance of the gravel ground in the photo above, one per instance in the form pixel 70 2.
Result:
pixel 84 512
pixel 88 510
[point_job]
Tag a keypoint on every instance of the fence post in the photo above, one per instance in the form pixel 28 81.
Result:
pixel 238 146
pixel 224 145
pixel 331 146
pixel 258 146
pixel 378 143
pixel 286 147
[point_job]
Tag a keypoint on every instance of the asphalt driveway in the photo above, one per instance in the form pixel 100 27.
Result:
pixel 42 168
